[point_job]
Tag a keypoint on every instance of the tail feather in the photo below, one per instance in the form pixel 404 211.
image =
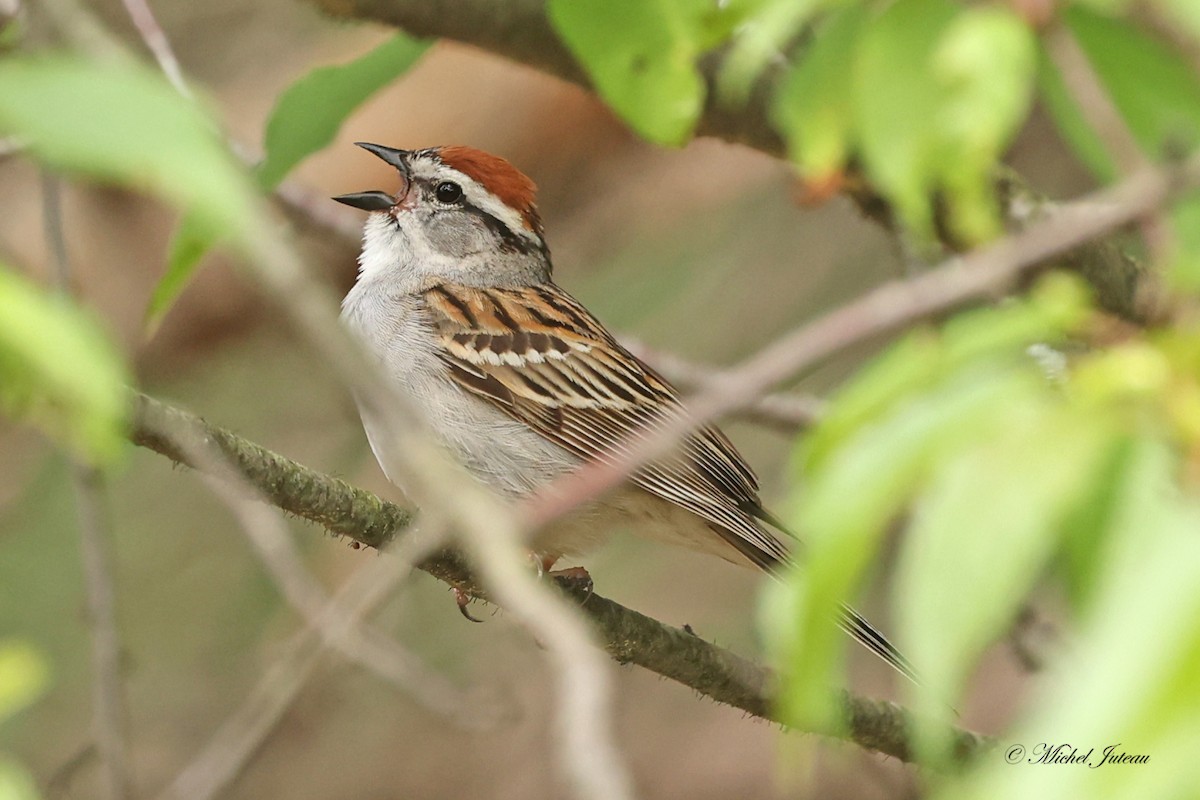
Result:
pixel 869 637
pixel 849 620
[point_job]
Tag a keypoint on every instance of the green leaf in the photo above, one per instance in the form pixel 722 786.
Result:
pixel 928 399
pixel 920 361
pixel 190 242
pixel 16 782
pixel 1184 264
pixel 986 61
pixel 813 107
pixel 59 370
pixel 1152 86
pixel 1142 632
pixel 760 37
pixel 641 55
pixel 310 112
pixel 24 675
pixel 845 509
pixel 983 531
pixel 1185 12
pixel 125 124
pixel 896 100
pixel 306 118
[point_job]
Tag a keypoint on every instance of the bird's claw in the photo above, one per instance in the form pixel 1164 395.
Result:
pixel 463 599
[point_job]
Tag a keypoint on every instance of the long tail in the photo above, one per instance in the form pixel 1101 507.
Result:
pixel 869 637
pixel 849 620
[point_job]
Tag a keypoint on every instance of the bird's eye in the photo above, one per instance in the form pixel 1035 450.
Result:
pixel 448 192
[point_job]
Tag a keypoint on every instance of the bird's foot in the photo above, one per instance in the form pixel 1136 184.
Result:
pixel 463 599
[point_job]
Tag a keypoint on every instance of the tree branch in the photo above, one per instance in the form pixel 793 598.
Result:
pixel 519 30
pixel 629 637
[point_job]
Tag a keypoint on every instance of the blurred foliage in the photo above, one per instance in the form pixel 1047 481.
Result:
pixel 23 677
pixel 1005 475
pixel 642 56
pixel 59 370
pixel 306 117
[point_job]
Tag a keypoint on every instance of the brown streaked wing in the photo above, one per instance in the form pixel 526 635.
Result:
pixel 541 357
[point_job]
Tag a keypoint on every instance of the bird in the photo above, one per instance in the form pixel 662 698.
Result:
pixel 522 384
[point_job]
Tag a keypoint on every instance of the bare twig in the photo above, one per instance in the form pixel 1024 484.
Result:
pixel 1094 101
pixel 1105 119
pixel 159 45
pixel 786 412
pixel 360 644
pixel 95 536
pixel 108 709
pixel 489 529
pixel 233 745
pixel 629 637
pixel 892 306
pixel 487 525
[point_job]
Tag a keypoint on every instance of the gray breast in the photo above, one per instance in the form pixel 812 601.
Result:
pixel 501 452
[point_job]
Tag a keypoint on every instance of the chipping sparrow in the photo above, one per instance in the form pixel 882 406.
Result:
pixel 520 382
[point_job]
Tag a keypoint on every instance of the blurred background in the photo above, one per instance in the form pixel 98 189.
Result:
pixel 703 252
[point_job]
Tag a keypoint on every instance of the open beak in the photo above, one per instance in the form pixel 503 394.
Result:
pixel 376 200
pixel 367 201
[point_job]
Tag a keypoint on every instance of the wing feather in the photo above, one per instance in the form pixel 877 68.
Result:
pixel 539 356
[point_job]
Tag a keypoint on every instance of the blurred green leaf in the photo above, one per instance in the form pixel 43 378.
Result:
pixel 310 112
pixel 1142 634
pixel 1184 12
pixel 919 361
pixel 1185 256
pixel 190 242
pixel 986 61
pixel 813 108
pixel 760 37
pixel 931 398
pixel 1072 125
pixel 845 509
pixel 16 782
pixel 1152 86
pixel 24 675
pixel 641 55
pixel 897 103
pixel 125 124
pixel 59 370
pixel 983 530
pixel 939 92
pixel 1088 527
pixel 306 118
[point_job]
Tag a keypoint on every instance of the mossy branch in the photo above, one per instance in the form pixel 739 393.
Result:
pixel 628 636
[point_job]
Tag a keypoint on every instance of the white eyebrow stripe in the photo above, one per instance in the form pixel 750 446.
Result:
pixel 475 193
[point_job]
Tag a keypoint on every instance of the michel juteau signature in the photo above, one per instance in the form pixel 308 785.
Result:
pixel 1045 753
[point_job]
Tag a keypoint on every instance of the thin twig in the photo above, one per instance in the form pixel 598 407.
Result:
pixel 1094 101
pixel 235 742
pixel 360 644
pixel 785 412
pixel 486 524
pixel 159 45
pixel 629 637
pixel 1102 114
pixel 95 537
pixel 890 307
